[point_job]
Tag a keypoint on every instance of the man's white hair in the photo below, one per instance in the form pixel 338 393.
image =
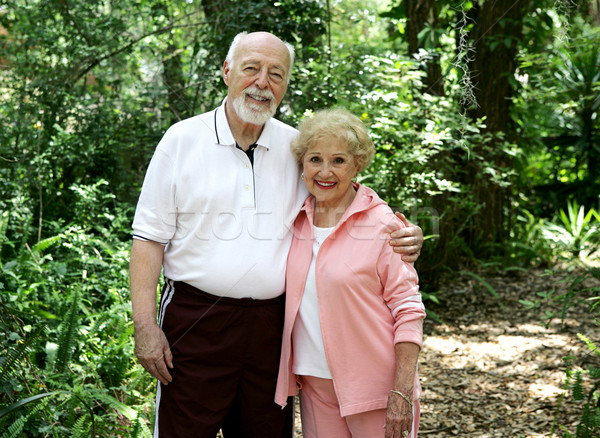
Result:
pixel 236 42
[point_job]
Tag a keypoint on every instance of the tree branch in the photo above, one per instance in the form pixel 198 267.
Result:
pixel 80 73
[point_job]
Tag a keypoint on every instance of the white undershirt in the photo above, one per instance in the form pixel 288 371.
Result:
pixel 309 351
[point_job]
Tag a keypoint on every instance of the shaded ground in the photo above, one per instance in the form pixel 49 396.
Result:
pixel 493 372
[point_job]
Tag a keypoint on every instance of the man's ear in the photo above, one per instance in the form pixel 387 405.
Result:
pixel 226 71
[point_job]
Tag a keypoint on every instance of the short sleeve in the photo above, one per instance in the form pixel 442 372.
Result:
pixel 156 212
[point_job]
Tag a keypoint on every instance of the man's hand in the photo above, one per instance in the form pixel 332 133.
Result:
pixel 153 351
pixel 407 241
pixel 151 345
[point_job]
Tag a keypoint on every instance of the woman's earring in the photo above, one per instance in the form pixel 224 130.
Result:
pixel 302 176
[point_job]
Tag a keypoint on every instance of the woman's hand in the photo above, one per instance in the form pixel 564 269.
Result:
pixel 399 417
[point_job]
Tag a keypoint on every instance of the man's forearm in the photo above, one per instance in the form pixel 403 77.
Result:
pixel 144 272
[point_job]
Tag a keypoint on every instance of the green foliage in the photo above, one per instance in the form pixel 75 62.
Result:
pixel 88 88
pixel 73 287
pixel 23 402
pixel 10 361
pixel 85 355
pixel 81 428
pixel 139 428
pixel 14 429
pixel 527 245
pixel 535 241
pixel 589 422
pixel 557 116
pixel 487 286
pixel 67 335
pixel 578 232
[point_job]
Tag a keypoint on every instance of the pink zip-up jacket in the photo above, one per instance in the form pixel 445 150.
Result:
pixel 369 300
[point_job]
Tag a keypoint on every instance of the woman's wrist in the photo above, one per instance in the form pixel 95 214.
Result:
pixel 403 395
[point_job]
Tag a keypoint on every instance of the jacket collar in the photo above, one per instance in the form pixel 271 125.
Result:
pixel 364 200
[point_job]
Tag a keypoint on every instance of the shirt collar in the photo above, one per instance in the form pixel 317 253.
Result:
pixel 225 137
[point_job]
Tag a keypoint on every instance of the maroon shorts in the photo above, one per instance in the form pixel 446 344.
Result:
pixel 226 359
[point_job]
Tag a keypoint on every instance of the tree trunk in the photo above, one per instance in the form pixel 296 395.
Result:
pixel 495 38
pixel 175 83
pixel 172 74
pixel 421 13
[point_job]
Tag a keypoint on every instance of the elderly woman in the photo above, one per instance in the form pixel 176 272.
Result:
pixel 353 322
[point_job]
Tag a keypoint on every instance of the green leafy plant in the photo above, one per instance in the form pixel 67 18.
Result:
pixel 527 246
pixel 575 231
pixel 14 429
pixel 487 287
pixel 589 421
pixel 67 333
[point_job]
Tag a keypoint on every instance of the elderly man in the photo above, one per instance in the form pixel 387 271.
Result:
pixel 216 213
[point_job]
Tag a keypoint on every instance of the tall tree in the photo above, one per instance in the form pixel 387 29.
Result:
pixel 495 37
pixel 422 32
pixel 302 23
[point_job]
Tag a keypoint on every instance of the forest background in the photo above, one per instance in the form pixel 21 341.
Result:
pixel 484 114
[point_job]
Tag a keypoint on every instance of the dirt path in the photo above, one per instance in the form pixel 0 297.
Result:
pixel 489 372
pixel 493 372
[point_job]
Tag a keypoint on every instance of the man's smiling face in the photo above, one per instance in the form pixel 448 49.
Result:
pixel 257 78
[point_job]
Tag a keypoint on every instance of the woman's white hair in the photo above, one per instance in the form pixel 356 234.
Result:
pixel 335 123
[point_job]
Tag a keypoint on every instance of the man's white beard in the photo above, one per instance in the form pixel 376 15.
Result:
pixel 251 113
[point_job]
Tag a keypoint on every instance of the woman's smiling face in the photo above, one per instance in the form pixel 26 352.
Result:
pixel 328 171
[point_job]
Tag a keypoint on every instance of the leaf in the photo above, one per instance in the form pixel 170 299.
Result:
pixel 121 408
pixel 486 285
pixel 14 430
pixel 67 337
pixel 44 244
pixel 27 400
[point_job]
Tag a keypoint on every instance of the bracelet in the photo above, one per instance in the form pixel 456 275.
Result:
pixel 409 401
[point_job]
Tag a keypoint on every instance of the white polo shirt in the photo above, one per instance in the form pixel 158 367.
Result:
pixel 227 225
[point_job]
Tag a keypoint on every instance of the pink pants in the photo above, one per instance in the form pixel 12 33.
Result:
pixel 321 417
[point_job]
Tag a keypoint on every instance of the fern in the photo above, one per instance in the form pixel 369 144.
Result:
pixel 14 356
pixel 590 344
pixel 577 386
pixel 81 428
pixel 98 323
pixel 67 337
pixel 589 424
pixel 44 244
pixel 15 429
pixel 23 402
pixel 140 429
pixel 121 408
